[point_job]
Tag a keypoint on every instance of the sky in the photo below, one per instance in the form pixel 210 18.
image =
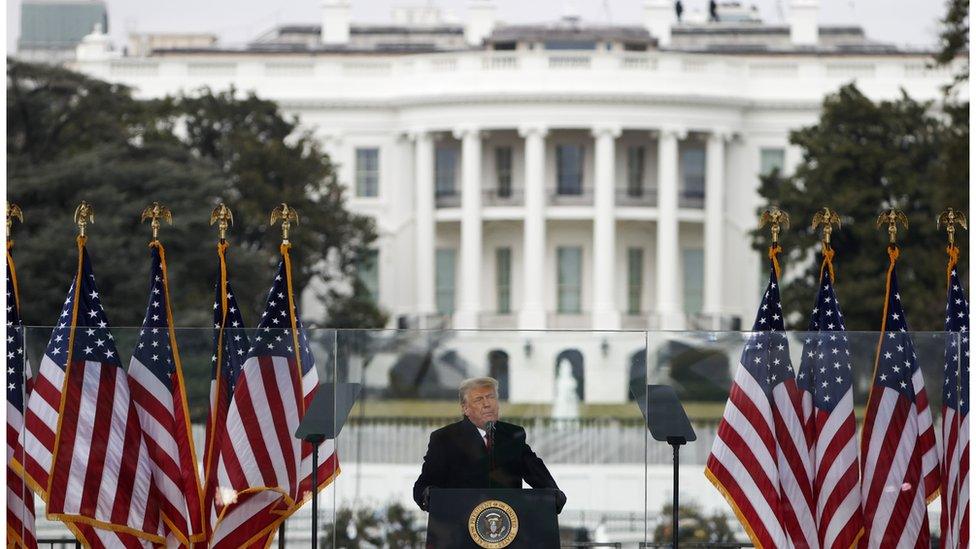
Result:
pixel 902 22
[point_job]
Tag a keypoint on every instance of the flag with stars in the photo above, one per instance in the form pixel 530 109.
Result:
pixel 955 417
pixel 84 450
pixel 230 345
pixel 760 460
pixel 826 382
pixel 900 465
pixel 20 500
pixel 261 463
pixel 156 382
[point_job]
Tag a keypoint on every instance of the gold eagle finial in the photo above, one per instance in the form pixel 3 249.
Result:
pixel 13 212
pixel 287 215
pixel 84 214
pixel 892 218
pixel 825 218
pixel 223 217
pixel 777 219
pixel 948 219
pixel 155 212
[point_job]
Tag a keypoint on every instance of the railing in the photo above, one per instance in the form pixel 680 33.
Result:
pixel 58 542
pixel 636 197
pixel 447 199
pixel 508 197
pixel 582 196
pixel 688 198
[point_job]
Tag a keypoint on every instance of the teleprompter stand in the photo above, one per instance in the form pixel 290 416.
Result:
pixel 323 420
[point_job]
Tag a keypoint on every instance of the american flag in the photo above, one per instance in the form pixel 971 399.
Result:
pixel 760 460
pixel 828 410
pixel 156 383
pixel 230 345
pixel 900 465
pixel 955 419
pixel 20 500
pixel 260 459
pixel 86 456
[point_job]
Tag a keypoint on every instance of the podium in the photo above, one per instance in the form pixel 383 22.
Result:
pixel 497 517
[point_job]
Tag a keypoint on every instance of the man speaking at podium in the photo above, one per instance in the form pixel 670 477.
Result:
pixel 479 451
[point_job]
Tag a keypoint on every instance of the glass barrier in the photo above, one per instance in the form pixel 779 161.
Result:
pixel 576 394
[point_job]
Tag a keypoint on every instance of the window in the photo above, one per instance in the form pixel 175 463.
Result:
pixel 369 272
pixel 569 169
pixel 693 170
pixel 693 266
pixel 635 279
pixel 444 280
pixel 635 171
pixel 570 45
pixel 445 171
pixel 367 172
pixel 770 160
pixel 504 46
pixel 570 275
pixel 503 279
pixel 503 171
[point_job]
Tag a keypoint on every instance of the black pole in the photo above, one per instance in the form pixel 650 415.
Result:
pixel 315 494
pixel 281 535
pixel 674 502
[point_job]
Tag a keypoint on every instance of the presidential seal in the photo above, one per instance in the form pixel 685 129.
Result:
pixel 493 524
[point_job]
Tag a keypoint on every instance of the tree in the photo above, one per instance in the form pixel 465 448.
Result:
pixel 71 137
pixel 694 526
pixel 859 158
pixel 954 39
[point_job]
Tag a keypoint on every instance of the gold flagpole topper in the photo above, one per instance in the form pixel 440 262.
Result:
pixel 777 220
pixel 287 215
pixel 892 218
pixel 223 217
pixel 155 212
pixel 13 211
pixel 825 218
pixel 84 214
pixel 948 219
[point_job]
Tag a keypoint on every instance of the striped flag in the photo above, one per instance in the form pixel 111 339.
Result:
pixel 158 391
pixel 828 414
pixel 900 465
pixel 261 463
pixel 760 460
pixel 955 416
pixel 20 500
pixel 83 450
pixel 230 345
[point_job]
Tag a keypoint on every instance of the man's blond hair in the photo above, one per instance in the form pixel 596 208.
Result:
pixel 474 383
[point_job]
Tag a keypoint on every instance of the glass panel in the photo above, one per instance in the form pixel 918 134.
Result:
pixel 367 172
pixel 635 279
pixel 635 171
pixel 569 169
pixel 771 160
pixel 369 273
pixel 693 277
pixel 570 275
pixel 503 279
pixel 444 282
pixel 693 169
pixel 445 171
pixel 503 169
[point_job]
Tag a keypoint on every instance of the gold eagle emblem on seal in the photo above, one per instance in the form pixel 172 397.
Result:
pixel 493 524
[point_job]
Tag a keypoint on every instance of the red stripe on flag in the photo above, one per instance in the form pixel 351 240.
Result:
pixel 101 428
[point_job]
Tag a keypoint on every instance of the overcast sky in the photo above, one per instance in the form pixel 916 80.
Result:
pixel 903 22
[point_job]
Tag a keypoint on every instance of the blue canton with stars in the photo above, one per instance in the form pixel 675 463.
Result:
pixel 957 321
pixel 16 363
pixel 273 336
pixel 897 361
pixel 825 366
pixel 154 350
pixel 236 343
pixel 767 355
pixel 93 339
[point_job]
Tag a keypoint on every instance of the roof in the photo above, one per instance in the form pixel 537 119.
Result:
pixel 568 32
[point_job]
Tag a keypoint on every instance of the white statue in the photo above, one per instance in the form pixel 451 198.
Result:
pixel 566 405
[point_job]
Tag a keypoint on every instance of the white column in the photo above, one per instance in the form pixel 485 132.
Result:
pixel 714 222
pixel 425 223
pixel 532 314
pixel 669 298
pixel 466 317
pixel 606 316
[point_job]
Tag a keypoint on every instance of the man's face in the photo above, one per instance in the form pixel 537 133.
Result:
pixel 481 405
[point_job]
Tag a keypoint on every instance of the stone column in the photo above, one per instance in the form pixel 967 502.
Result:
pixel 606 315
pixel 669 298
pixel 466 317
pixel 714 222
pixel 425 223
pixel 532 314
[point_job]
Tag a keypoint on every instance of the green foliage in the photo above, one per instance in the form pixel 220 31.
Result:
pixel 860 158
pixel 393 526
pixel 694 526
pixel 70 137
pixel 954 38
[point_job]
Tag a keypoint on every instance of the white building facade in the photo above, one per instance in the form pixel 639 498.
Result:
pixel 563 176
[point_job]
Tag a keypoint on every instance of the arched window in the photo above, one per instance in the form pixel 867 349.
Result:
pixel 638 375
pixel 575 359
pixel 498 369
